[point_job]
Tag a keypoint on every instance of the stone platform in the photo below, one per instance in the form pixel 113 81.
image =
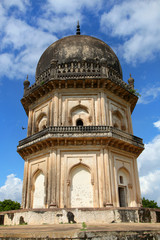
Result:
pixel 87 215
pixel 114 231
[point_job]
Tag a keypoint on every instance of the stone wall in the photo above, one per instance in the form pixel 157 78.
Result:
pixel 88 215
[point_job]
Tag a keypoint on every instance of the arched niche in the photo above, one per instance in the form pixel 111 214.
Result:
pixel 124 183
pixel 38 189
pixel 80 112
pixel 41 122
pixel 118 120
pixel 81 187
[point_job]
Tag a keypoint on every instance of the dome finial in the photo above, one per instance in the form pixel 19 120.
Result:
pixel 78 29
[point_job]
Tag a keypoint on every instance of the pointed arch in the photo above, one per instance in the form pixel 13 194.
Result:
pixel 124 181
pixel 41 121
pixel 118 113
pixel 79 107
pixel 38 189
pixel 81 188
pixel 36 173
pixel 118 120
pixel 79 112
pixel 77 165
pixel 126 172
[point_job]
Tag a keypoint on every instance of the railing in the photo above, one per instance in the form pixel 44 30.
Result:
pixel 77 70
pixel 78 67
pixel 81 130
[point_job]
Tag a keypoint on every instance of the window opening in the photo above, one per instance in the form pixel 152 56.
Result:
pixel 79 122
pixel 121 179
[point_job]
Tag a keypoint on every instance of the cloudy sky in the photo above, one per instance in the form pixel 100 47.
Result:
pixel 131 28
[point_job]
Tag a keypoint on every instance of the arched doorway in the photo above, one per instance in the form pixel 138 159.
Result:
pixel 38 193
pixel 81 187
pixel 123 192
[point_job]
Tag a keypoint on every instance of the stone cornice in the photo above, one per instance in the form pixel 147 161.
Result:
pixel 110 83
pixel 86 135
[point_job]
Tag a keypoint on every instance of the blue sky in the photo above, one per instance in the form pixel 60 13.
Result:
pixel 131 28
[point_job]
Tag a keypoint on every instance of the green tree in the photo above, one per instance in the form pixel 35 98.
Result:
pixel 8 204
pixel 149 203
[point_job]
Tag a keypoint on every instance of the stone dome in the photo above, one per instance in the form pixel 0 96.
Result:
pixel 78 48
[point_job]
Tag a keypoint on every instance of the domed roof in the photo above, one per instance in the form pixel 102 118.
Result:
pixel 78 48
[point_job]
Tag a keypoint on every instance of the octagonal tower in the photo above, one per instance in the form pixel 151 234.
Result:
pixel 80 150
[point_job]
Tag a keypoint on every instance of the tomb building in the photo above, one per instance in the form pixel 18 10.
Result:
pixel 80 151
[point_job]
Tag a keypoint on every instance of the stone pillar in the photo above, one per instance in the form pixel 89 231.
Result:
pixel 25 184
pixel 130 129
pixel 33 123
pixel 29 189
pixel 60 110
pixel 96 182
pixel 137 185
pixel 53 179
pixel 49 179
pixel 48 114
pixel 46 183
pixel 101 178
pixel 58 176
pixel 51 113
pixel 107 111
pixel 103 112
pixel 99 114
pixel 107 173
pixel 112 179
pixel 56 111
pixel 29 131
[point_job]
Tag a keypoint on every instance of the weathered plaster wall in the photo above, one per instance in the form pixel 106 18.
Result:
pixel 39 192
pixel 81 187
pixel 87 215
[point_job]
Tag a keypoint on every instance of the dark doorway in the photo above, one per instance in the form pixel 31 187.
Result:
pixel 1 219
pixel 79 122
pixel 158 216
pixel 122 197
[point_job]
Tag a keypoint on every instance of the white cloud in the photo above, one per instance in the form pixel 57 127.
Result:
pixel 21 44
pixel 157 124
pixel 149 159
pixel 149 170
pixel 19 4
pixel 59 24
pixel 71 6
pixel 26 44
pixel 137 22
pixel 60 15
pixel 150 187
pixel 149 94
pixel 12 189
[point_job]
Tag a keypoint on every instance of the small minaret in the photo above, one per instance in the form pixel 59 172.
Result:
pixel 26 84
pixel 131 82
